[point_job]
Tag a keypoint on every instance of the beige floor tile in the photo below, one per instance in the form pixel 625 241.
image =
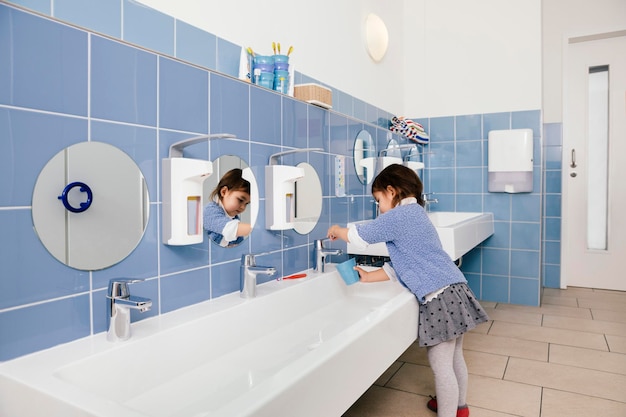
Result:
pixel 582 313
pixel 503 396
pixel 482 412
pixel 416 379
pixel 514 316
pixel 601 304
pixel 488 304
pixel 384 402
pixel 482 328
pixel 415 354
pixel 485 364
pixel 584 325
pixel 549 335
pixel 388 374
pixel 612 293
pixel 559 301
pixel 617 344
pixel 571 292
pixel 506 346
pixel 588 358
pixel 560 403
pixel 606 315
pixel 599 384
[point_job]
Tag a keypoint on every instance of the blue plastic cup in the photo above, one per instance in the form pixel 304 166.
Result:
pixel 281 81
pixel 281 62
pixel 264 79
pixel 347 272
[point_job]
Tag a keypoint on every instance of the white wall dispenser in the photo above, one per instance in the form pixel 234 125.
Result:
pixel 280 191
pixel 510 161
pixel 182 193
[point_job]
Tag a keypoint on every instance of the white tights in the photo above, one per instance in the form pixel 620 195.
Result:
pixel 448 364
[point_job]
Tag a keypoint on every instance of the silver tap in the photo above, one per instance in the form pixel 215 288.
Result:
pixel 321 253
pixel 248 273
pixel 119 304
pixel 429 201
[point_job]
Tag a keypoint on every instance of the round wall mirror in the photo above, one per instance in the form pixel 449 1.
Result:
pixel 364 154
pixel 90 205
pixel 231 201
pixel 308 200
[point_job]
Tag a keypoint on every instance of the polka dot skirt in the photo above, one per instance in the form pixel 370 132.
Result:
pixel 449 315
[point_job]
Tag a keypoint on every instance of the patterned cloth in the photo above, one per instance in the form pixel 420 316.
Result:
pixel 409 129
pixel 449 315
pixel 414 247
pixel 221 228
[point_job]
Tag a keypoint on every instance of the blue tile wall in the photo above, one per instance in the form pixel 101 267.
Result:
pixel 551 209
pixel 507 267
pixel 132 94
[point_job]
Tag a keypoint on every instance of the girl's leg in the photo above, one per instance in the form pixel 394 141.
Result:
pixel 441 358
pixel 460 370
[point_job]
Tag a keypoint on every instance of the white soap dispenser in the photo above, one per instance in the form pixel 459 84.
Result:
pixel 280 196
pixel 182 189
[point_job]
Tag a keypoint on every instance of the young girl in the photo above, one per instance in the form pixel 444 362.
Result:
pixel 221 216
pixel 448 308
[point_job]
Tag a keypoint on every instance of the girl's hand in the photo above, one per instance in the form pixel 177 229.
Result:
pixel 334 232
pixel 376 275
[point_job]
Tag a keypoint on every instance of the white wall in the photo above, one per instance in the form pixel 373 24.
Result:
pixel 327 36
pixel 583 18
pixel 445 56
pixel 473 56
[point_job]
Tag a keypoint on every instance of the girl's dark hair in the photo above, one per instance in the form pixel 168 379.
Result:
pixel 234 181
pixel 404 180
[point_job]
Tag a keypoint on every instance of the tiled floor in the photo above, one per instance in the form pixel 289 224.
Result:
pixel 566 358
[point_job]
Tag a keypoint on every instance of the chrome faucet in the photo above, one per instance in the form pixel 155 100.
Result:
pixel 247 275
pixel 428 201
pixel 119 304
pixel 321 253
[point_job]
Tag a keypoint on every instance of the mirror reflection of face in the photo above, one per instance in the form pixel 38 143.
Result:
pixel 235 201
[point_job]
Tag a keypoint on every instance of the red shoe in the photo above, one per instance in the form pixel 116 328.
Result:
pixel 460 412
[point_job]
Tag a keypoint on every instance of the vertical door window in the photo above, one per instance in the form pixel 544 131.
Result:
pixel 598 152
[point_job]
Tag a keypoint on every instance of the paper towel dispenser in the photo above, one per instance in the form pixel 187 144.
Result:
pixel 510 161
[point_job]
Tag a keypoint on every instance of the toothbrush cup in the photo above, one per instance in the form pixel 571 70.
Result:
pixel 264 79
pixel 281 62
pixel 281 81
pixel 347 272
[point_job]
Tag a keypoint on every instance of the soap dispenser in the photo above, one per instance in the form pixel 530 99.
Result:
pixel 183 180
pixel 280 196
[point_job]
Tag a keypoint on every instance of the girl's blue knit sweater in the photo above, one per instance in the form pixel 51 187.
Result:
pixel 414 247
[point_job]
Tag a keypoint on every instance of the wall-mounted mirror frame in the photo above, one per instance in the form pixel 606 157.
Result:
pixel 364 155
pixel 223 165
pixel 308 200
pixel 90 205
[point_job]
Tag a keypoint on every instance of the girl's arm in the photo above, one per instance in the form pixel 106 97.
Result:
pixel 376 275
pixel 336 232
pixel 243 229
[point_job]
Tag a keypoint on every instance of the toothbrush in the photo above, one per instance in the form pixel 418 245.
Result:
pixel 290 50
pixel 274 47
pixel 250 51
pixel 278 48
pixel 296 276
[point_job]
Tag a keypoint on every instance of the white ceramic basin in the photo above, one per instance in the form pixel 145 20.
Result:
pixel 459 233
pixel 307 347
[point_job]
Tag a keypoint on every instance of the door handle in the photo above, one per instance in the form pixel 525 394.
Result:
pixel 573 164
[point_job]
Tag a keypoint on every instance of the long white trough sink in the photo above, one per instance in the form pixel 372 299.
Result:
pixel 307 347
pixel 459 233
